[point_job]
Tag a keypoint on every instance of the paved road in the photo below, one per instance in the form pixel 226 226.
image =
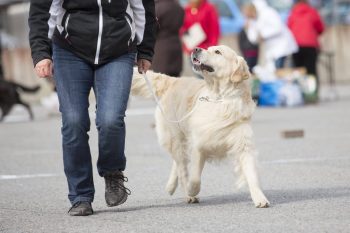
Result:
pixel 307 180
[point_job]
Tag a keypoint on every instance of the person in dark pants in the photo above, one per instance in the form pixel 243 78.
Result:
pixel 249 50
pixel 94 45
pixel 168 49
pixel 1 69
pixel 306 25
pixel 307 57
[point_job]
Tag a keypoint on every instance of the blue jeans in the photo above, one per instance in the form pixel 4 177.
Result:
pixel 279 62
pixel 111 83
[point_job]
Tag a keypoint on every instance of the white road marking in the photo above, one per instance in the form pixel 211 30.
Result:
pixel 305 160
pixel 16 177
pixel 279 161
pixel 140 111
pixel 132 112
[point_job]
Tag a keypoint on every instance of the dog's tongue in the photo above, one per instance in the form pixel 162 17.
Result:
pixel 196 61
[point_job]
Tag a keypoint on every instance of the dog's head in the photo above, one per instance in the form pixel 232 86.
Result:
pixel 220 62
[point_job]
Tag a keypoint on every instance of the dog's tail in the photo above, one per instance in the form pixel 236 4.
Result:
pixel 159 82
pixel 27 89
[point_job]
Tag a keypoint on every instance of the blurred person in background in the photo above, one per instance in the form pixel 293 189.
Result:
pixel 93 46
pixel 306 25
pixel 168 50
pixel 1 70
pixel 269 28
pixel 204 13
pixel 249 50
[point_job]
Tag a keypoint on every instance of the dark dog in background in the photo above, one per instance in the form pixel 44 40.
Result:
pixel 9 96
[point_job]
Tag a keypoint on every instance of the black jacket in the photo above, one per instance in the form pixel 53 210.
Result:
pixel 95 30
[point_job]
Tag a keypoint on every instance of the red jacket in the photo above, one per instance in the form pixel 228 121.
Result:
pixel 208 18
pixel 306 25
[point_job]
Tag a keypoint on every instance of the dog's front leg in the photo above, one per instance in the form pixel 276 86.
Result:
pixel 194 185
pixel 247 164
pixel 182 171
pixel 173 180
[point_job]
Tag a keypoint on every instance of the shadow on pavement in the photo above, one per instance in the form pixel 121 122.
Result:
pixel 276 197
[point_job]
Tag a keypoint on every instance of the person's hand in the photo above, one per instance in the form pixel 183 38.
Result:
pixel 44 68
pixel 143 65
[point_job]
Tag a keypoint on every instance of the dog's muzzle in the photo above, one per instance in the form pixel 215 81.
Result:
pixel 197 64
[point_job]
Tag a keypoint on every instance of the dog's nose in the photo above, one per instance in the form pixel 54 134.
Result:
pixel 197 50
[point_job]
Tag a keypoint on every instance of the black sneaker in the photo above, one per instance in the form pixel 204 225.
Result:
pixel 81 209
pixel 116 193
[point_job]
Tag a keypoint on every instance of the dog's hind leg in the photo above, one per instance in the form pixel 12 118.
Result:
pixel 248 168
pixel 29 109
pixel 194 185
pixel 5 111
pixel 173 180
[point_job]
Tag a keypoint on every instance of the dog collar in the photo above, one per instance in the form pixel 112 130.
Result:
pixel 208 99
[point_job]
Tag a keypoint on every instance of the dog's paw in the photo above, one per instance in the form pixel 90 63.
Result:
pixel 193 188
pixel 262 204
pixel 170 188
pixel 192 200
pixel 259 199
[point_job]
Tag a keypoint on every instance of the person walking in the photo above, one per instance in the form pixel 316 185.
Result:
pixel 306 25
pixel 249 50
pixel 93 46
pixel 203 13
pixel 168 50
pixel 1 69
pixel 271 30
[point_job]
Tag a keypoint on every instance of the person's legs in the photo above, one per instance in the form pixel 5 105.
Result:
pixel 307 57
pixel 112 88
pixel 298 59
pixel 251 62
pixel 74 80
pixel 279 63
pixel 311 55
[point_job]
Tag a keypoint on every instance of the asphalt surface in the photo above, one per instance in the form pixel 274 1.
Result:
pixel 307 180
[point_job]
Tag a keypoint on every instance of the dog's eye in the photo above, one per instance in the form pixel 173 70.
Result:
pixel 217 52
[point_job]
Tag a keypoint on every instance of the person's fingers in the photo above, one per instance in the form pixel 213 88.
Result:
pixel 146 65
pixel 139 67
pixel 49 70
pixel 40 72
pixel 44 68
pixel 143 65
pixel 44 71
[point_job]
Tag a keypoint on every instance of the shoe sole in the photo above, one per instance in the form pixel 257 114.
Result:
pixel 123 200
pixel 81 213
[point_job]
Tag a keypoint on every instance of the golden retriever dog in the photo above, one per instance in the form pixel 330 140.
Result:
pixel 219 123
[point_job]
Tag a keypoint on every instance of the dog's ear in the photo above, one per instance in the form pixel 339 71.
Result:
pixel 242 71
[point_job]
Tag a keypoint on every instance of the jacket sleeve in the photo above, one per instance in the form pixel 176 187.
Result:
pixel 319 25
pixel 146 27
pixel 214 28
pixel 39 40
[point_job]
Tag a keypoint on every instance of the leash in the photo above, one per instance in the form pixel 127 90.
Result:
pixel 161 107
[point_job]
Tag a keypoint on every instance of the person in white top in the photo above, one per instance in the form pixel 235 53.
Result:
pixel 269 28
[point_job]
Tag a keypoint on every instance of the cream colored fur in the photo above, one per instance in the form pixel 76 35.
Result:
pixel 218 128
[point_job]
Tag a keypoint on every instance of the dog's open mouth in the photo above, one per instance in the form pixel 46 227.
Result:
pixel 199 66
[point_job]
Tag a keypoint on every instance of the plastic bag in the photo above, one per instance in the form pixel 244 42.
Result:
pixel 269 93
pixel 291 95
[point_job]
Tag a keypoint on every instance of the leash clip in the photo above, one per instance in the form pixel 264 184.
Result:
pixel 204 98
